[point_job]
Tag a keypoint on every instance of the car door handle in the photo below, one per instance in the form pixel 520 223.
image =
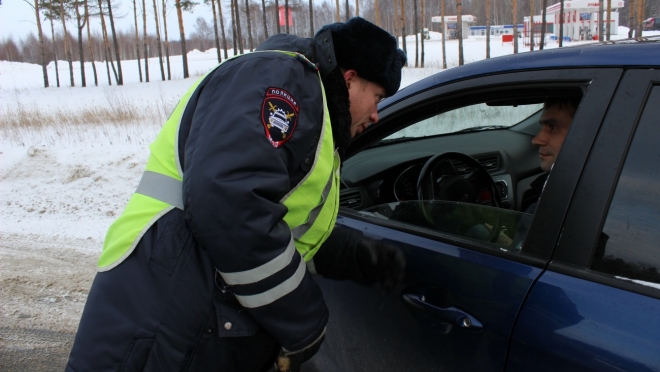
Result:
pixel 451 315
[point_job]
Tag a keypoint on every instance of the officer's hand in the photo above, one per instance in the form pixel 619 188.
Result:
pixel 291 361
pixel 379 262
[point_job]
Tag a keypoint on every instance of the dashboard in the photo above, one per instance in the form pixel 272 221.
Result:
pixel 389 173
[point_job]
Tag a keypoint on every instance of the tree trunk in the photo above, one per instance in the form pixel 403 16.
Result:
pixel 80 25
pixel 89 46
pixel 114 42
pixel 222 28
pixel 311 18
pixel 459 19
pixel 277 15
pixel 631 19
pixel 514 5
pixel 487 29
pixel 52 33
pixel 609 19
pixel 337 15
pixel 640 18
pixel 416 27
pixel 396 22
pixel 403 28
pixel 239 34
pixel 357 8
pixel 286 14
pixel 346 15
pixel 160 49
pixel 44 70
pixel 249 22
pixel 106 49
pixel 561 23
pixel 67 48
pixel 215 30
pixel 543 25
pixel 144 41
pixel 263 14
pixel 167 41
pixel 233 27
pixel 531 25
pixel 184 51
pixel 423 23
pixel 377 11
pixel 444 28
pixel 137 39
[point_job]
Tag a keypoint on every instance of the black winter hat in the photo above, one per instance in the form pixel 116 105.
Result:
pixel 368 49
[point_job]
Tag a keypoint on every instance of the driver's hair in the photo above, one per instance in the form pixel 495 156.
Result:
pixel 569 104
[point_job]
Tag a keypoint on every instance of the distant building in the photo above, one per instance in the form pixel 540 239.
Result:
pixel 581 18
pixel 449 25
pixel 495 30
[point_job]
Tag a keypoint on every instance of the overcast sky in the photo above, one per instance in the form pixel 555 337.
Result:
pixel 17 19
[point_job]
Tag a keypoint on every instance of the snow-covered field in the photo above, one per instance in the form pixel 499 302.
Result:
pixel 63 183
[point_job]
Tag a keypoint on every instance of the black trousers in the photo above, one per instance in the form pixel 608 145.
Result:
pixel 161 310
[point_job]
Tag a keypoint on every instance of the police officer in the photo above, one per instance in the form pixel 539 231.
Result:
pixel 207 267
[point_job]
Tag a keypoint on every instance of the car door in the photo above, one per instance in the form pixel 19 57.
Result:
pixel 596 307
pixel 460 299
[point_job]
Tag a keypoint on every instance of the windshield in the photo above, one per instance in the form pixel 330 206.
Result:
pixel 475 117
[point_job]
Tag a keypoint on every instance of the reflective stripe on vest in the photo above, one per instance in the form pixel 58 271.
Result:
pixel 312 204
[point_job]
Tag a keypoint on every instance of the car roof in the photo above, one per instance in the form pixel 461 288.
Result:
pixel 641 52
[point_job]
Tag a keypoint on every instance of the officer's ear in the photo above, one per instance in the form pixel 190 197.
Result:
pixel 350 76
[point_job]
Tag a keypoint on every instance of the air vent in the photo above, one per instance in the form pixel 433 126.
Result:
pixel 351 198
pixel 490 162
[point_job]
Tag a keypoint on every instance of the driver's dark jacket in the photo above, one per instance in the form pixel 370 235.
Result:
pixel 164 308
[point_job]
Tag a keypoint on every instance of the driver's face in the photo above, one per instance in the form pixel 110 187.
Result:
pixel 555 122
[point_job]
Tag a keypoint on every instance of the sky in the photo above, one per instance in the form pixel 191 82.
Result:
pixel 17 18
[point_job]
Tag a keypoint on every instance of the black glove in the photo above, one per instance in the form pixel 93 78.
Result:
pixel 291 361
pixel 348 254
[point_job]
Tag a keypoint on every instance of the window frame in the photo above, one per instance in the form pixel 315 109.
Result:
pixel 545 226
pixel 588 211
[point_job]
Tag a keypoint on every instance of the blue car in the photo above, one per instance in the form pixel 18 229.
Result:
pixel 449 174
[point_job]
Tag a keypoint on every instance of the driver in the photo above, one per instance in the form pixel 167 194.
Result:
pixel 555 121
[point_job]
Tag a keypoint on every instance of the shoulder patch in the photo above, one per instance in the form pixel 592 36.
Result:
pixel 279 114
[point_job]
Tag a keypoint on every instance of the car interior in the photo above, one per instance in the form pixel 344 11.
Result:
pixel 462 164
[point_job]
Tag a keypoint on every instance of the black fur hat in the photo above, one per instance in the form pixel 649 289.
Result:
pixel 368 49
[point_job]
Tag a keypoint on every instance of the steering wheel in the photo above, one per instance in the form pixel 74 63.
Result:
pixel 440 180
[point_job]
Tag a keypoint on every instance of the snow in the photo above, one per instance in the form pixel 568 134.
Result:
pixel 64 184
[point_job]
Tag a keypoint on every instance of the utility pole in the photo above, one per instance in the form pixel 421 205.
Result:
pixel 444 28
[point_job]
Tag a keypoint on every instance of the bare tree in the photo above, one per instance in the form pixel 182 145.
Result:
pixel 403 28
pixel 215 29
pixel 80 25
pixel 277 15
pixel 346 15
pixel 423 23
pixel 444 27
pixel 416 27
pixel 67 48
pixel 515 25
pixel 459 20
pixel 137 39
pixel 159 47
pixel 239 35
pixel 89 45
pixel 286 14
pixel 337 16
pixel 120 81
pixel 202 31
pixel 222 27
pixel 609 18
pixel 50 17
pixel 487 29
pixel 311 19
pixel 263 14
pixel 249 24
pixel 180 6
pixel 543 24
pixel 167 41
pixel 144 41
pixel 561 24
pixel 108 57
pixel 631 20
pixel 37 13
pixel 377 11
pixel 233 27
pixel 640 18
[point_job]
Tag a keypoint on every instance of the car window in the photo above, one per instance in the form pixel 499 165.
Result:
pixel 473 117
pixel 464 220
pixel 629 245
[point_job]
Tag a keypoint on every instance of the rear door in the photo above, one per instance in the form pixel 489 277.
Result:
pixel 458 304
pixel 596 307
